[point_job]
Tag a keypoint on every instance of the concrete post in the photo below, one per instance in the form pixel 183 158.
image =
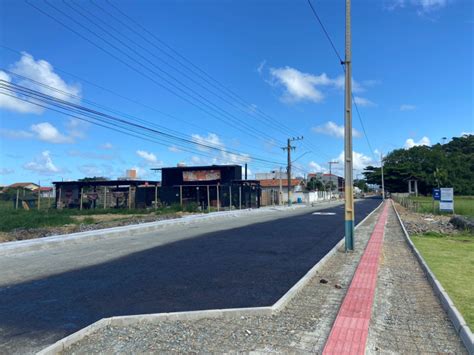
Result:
pixel 17 197
pixel 105 197
pixel 240 197
pixel 218 201
pixel 130 197
pixel 181 195
pixel 230 197
pixel 156 196
pixel 80 201
pixel 416 188
pixel 59 203
pixel 208 200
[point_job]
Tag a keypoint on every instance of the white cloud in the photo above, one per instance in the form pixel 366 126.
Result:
pixel 212 140
pixel 359 160
pixel 15 134
pixel 41 71
pixel 91 170
pixel 301 86
pixel 45 131
pixel 410 143
pixel 423 6
pixel 6 171
pixel 407 107
pixel 76 128
pixel 261 66
pixel 174 149
pixel 315 167
pixel 332 129
pixel 91 155
pixel 150 158
pixel 362 101
pixel 467 133
pixel 42 164
pixel 107 146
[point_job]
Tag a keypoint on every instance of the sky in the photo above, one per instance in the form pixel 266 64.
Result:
pixel 232 79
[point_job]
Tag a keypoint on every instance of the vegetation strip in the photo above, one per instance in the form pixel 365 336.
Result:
pixel 456 318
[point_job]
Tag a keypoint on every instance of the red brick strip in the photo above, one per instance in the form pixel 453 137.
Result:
pixel 351 327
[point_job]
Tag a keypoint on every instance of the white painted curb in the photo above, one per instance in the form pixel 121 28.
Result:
pixel 456 318
pixel 64 343
pixel 21 246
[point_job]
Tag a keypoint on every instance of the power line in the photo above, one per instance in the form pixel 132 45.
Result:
pixel 82 109
pixel 342 62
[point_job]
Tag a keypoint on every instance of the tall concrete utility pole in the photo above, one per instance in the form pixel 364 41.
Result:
pixel 331 163
pixel 383 183
pixel 288 148
pixel 349 203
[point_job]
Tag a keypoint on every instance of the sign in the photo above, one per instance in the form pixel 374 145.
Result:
pixel 446 202
pixel 201 175
pixel 436 194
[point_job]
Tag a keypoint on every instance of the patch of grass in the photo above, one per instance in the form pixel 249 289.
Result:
pixel 451 258
pixel 463 205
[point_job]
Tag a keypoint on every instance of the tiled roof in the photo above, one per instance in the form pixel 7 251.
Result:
pixel 276 182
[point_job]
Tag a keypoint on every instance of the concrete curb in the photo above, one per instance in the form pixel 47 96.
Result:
pixel 456 318
pixel 62 344
pixel 9 248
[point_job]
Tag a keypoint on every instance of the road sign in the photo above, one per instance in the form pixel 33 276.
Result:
pixel 436 194
pixel 446 202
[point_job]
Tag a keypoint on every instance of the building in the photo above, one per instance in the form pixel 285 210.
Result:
pixel 217 186
pixel 46 191
pixel 271 191
pixel 271 175
pixel 328 179
pixel 106 194
pixel 24 185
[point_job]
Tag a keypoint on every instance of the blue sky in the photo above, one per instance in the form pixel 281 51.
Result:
pixel 412 72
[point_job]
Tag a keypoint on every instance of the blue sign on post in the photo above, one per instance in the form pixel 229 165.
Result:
pixel 436 194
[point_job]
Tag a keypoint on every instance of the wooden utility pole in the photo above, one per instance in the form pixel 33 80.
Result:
pixel 289 148
pixel 348 165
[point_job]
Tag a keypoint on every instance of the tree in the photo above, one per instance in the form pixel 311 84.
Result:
pixel 315 184
pixel 441 165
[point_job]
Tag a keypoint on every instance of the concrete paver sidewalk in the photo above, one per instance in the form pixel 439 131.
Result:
pixel 406 317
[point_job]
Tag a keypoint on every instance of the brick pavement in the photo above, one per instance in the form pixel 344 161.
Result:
pixel 407 317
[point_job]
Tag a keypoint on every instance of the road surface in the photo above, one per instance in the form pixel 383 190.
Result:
pixel 225 263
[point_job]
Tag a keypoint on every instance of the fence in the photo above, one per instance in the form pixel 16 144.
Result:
pixel 414 204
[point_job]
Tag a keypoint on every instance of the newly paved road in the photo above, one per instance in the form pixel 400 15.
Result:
pixel 49 294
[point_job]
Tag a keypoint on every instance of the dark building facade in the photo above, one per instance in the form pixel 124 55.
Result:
pixel 213 186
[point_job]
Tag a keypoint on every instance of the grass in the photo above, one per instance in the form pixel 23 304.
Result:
pixel 463 205
pixel 451 258
pixel 11 219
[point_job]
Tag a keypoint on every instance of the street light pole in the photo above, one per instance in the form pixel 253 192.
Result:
pixel 349 196
pixel 383 183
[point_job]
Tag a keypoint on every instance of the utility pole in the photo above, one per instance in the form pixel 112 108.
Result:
pixel 330 172
pixel 280 197
pixel 288 148
pixel 383 184
pixel 349 201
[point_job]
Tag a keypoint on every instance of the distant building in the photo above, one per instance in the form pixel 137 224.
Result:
pixel 271 190
pixel 24 185
pixel 218 186
pixel 46 191
pixel 327 179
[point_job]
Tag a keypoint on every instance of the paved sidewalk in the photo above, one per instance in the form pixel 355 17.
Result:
pixel 407 317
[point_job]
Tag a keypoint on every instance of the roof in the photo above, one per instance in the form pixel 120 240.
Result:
pixel 106 183
pixel 22 184
pixel 276 182
pixel 199 167
pixel 46 188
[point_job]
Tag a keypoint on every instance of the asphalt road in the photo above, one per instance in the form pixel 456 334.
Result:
pixel 204 268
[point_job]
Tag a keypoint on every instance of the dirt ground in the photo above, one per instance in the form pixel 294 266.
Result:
pixel 101 221
pixel 418 223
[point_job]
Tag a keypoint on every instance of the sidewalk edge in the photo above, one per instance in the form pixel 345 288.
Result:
pixel 64 343
pixel 454 315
